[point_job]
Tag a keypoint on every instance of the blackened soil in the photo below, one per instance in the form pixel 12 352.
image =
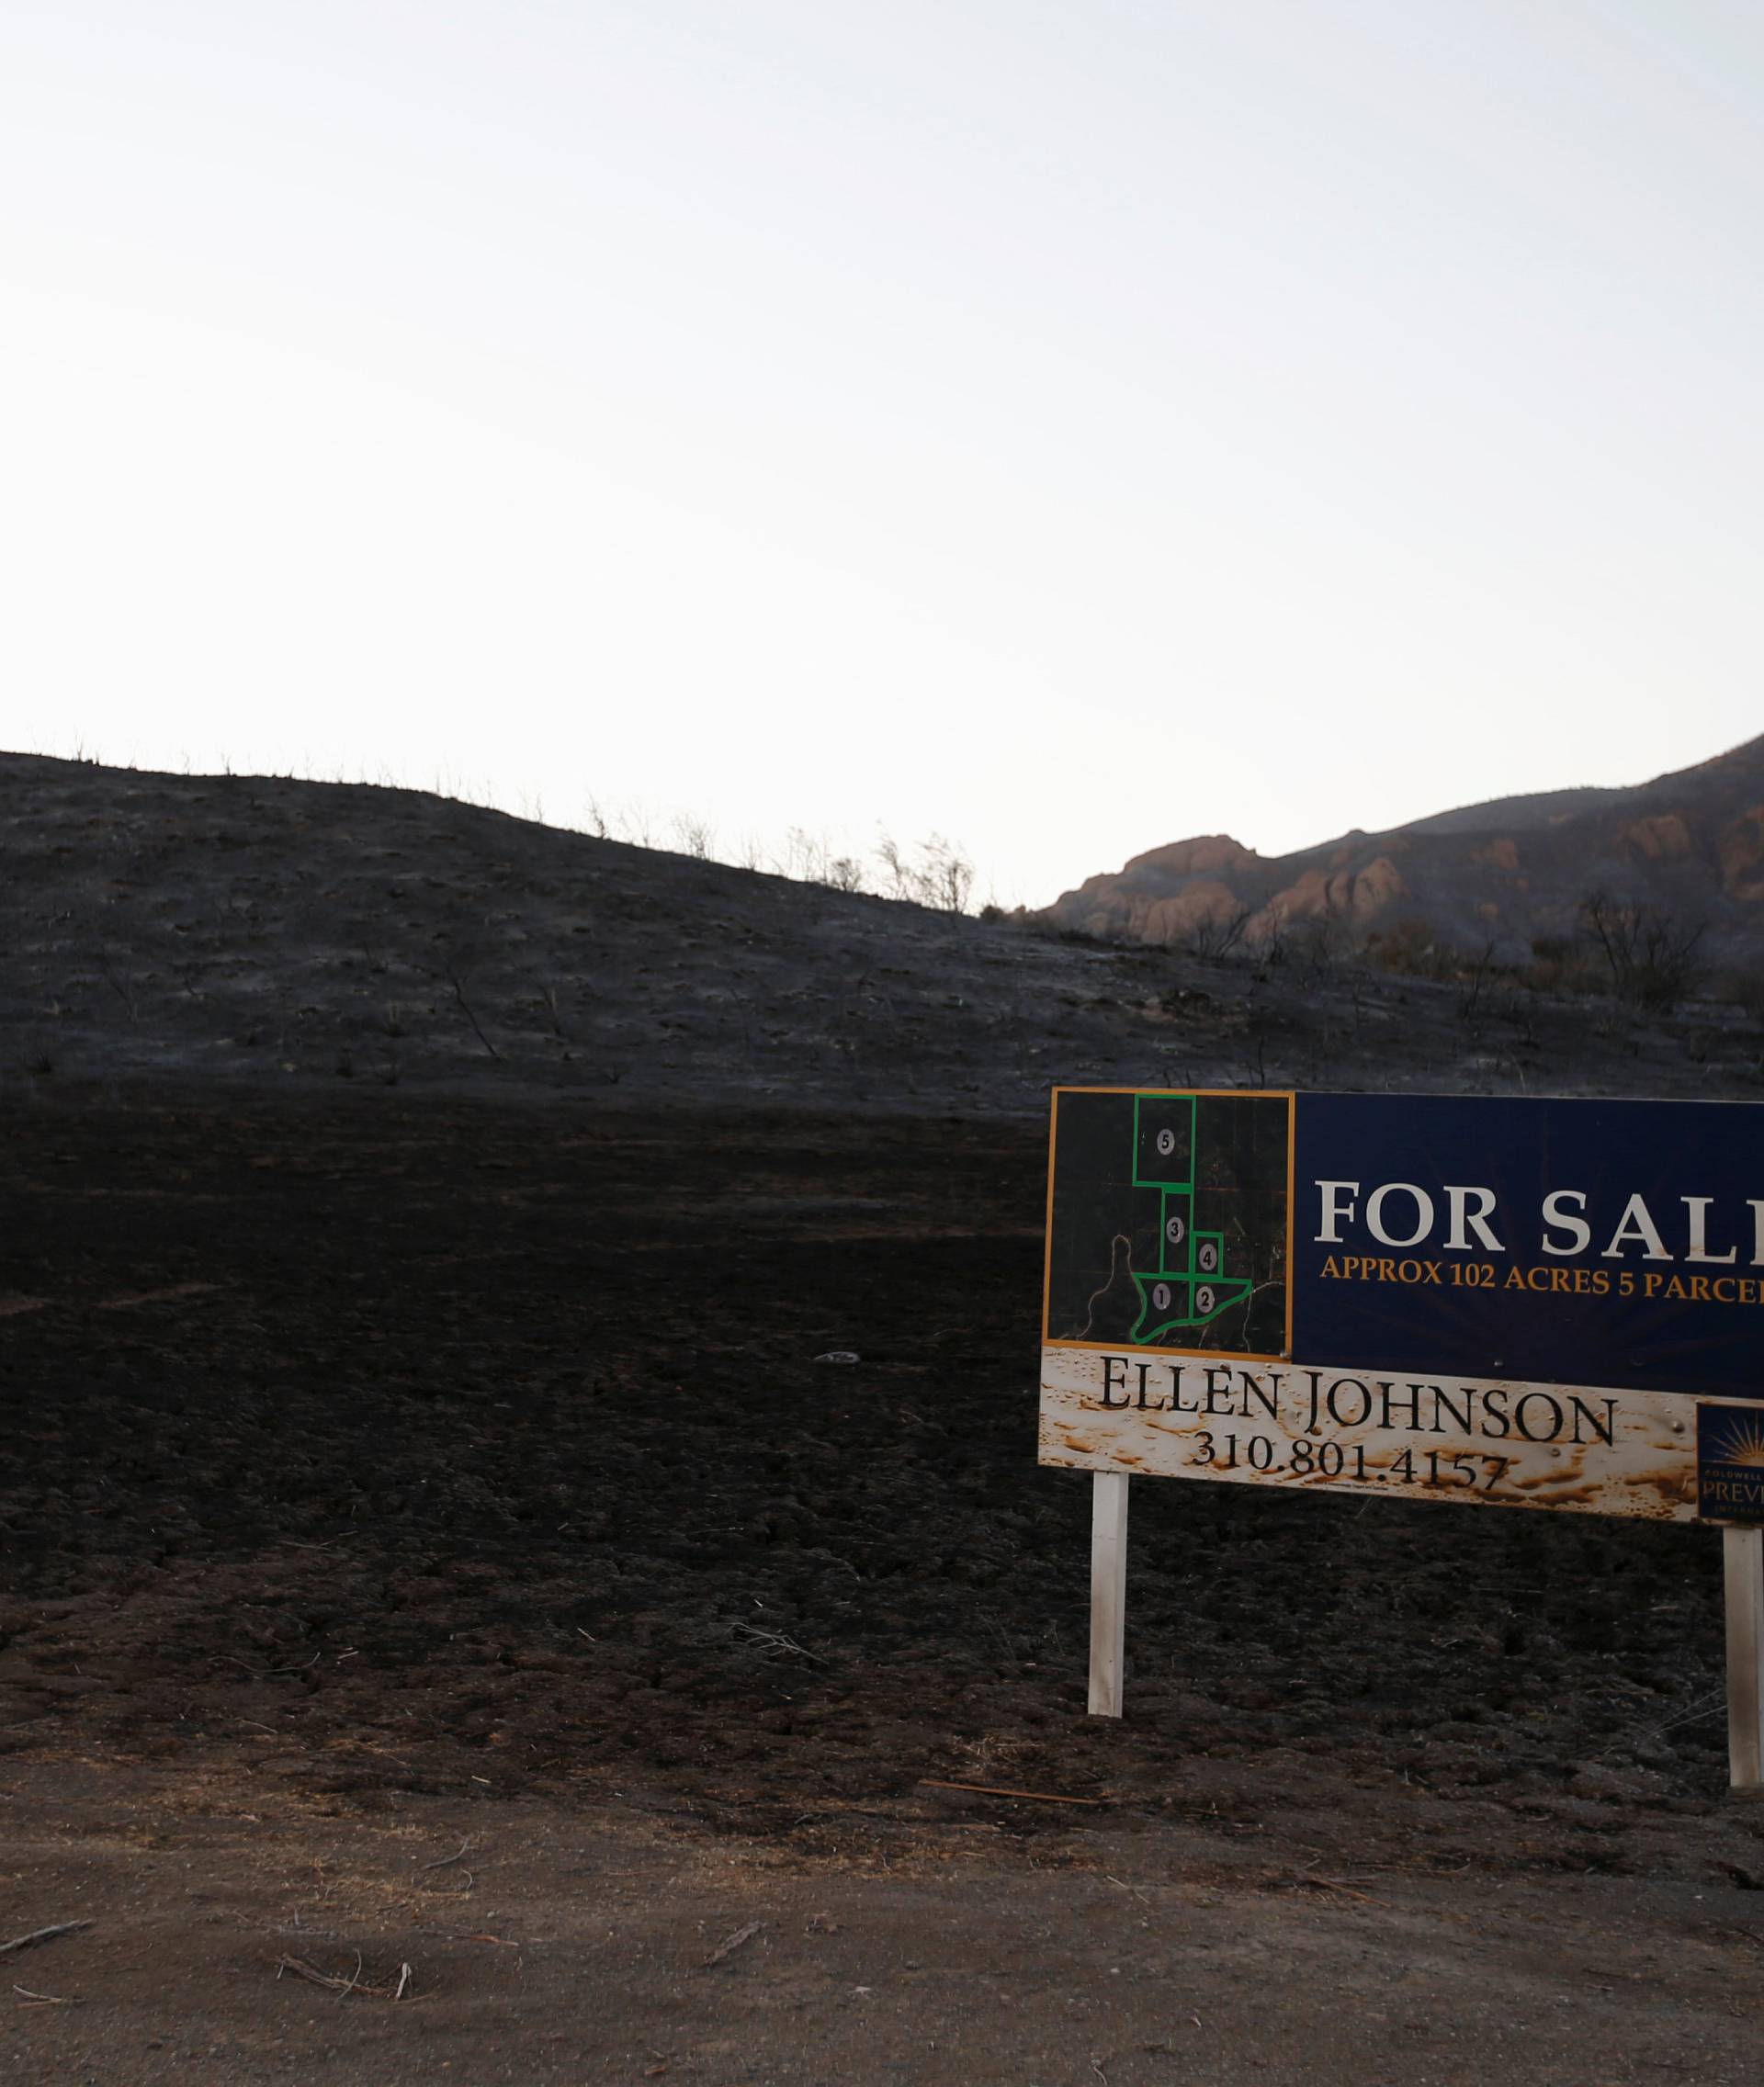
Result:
pixel 446 1448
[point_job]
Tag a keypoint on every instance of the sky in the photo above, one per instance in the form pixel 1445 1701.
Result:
pixel 1060 425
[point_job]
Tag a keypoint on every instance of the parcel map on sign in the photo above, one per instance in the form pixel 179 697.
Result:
pixel 1168 1222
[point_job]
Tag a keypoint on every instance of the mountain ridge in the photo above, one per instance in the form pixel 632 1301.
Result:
pixel 1503 874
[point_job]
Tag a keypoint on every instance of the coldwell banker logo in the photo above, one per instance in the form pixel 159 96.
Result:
pixel 1730 1462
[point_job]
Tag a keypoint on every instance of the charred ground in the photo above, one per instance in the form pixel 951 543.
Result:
pixel 441 1447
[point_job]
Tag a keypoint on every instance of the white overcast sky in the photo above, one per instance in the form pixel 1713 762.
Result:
pixel 1066 425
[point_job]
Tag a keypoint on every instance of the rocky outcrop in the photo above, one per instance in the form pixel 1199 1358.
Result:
pixel 1664 837
pixel 1201 905
pixel 1199 857
pixel 1740 851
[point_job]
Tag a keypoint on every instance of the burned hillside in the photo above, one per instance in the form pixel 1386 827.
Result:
pixel 243 931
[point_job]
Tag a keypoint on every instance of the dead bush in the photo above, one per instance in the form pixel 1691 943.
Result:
pixel 1653 956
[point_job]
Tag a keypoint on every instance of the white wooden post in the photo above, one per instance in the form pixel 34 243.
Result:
pixel 1108 1590
pixel 1743 1570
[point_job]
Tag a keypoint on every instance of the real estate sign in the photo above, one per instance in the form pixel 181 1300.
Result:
pixel 1528 1303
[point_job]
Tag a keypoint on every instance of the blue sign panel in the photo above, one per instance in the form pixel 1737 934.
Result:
pixel 1616 1242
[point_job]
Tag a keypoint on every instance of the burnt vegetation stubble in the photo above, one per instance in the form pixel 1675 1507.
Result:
pixel 432 1445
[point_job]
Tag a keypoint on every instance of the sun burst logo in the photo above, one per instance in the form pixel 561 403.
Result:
pixel 1730 1463
pixel 1741 1441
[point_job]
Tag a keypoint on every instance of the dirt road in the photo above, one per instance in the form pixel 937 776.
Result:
pixel 553 1942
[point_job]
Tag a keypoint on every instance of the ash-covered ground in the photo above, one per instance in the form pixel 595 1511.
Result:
pixel 508 1449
